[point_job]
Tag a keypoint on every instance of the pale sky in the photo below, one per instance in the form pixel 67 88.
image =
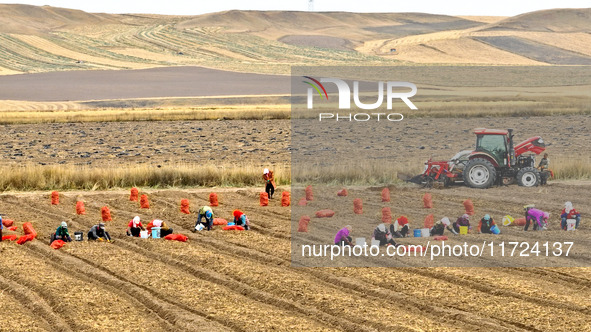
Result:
pixel 188 7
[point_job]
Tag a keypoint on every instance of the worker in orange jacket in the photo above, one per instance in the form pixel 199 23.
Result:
pixel 269 182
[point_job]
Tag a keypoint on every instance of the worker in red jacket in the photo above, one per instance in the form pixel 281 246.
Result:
pixel 569 212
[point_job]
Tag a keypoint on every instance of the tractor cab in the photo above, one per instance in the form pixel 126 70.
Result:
pixel 493 145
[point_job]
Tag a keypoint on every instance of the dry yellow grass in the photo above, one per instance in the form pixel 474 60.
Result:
pixel 110 115
pixel 35 177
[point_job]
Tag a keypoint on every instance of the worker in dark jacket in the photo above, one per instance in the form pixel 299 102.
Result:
pixel 382 234
pixel 98 233
pixel 61 233
pixel 440 226
pixel 485 225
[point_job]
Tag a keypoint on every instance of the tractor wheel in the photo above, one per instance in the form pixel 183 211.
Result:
pixel 479 173
pixel 528 177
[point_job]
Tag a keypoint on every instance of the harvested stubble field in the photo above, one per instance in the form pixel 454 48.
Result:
pixel 243 281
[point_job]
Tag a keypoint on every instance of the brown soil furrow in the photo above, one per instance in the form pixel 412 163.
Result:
pixel 35 302
pixel 171 314
pixel 223 246
pixel 232 285
pixel 246 290
pixel 468 281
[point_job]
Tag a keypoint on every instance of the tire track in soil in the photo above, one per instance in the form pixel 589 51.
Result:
pixel 468 282
pixel 458 315
pixel 259 295
pixel 247 290
pixel 232 285
pixel 40 251
pixel 164 311
pixel 163 308
pixel 36 303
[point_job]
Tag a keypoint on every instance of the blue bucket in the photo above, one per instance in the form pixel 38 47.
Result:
pixel 155 232
pixel 495 230
pixel 417 232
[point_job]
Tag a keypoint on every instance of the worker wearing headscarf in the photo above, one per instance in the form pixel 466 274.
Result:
pixel 464 220
pixel 569 212
pixel 240 219
pixel 135 227
pixel 440 226
pixel 399 228
pixel 382 234
pixel 538 217
pixel 485 224
pixel 269 182
pixel 207 213
pixel 343 237
pixel 98 233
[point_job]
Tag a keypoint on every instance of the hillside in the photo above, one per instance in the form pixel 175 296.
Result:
pixel 42 39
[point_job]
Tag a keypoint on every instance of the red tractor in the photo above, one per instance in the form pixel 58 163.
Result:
pixel 495 160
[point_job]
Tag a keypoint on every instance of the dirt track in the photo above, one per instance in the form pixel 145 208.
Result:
pixel 237 281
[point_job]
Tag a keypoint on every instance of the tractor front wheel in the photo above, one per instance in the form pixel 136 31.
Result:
pixel 528 177
pixel 479 173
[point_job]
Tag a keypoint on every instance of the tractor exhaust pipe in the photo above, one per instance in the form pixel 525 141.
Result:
pixel 511 148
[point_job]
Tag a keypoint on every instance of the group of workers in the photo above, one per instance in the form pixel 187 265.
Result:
pixel 135 226
pixel 96 233
pixel 399 228
pixel 205 219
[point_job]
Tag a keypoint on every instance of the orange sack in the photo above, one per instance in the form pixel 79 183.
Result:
pixel 285 199
pixel 385 195
pixel 25 238
pixel 11 237
pixel 55 198
pixel 80 208
pixel 342 193
pixel 176 237
pixel 303 202
pixel 309 194
pixel 386 215
pixel 57 244
pixel 429 222
pixel 106 214
pixel 324 213
pixel 185 206
pixel 219 222
pixel 233 228
pixel 440 238
pixel 213 199
pixel 469 206
pixel 144 204
pixel 303 224
pixel 264 199
pixel 357 206
pixel 12 228
pixel 519 222
pixel 29 230
pixel 427 201
pixel 133 194
pixel 7 222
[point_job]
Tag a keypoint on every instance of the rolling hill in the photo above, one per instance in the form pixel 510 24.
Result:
pixel 43 39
